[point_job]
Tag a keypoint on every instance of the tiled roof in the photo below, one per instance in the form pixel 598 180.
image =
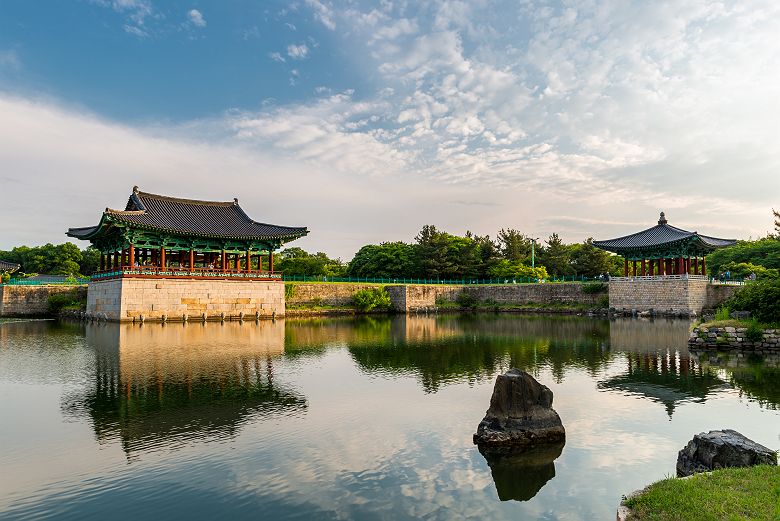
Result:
pixel 190 217
pixel 661 234
pixel 8 267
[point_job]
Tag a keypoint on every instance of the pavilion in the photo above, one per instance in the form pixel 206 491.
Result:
pixel 161 236
pixel 664 250
pixel 8 267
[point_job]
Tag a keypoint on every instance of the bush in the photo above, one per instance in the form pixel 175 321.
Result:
pixel 466 300
pixel 754 332
pixel 592 288
pixel 371 298
pixel 761 298
pixel 67 300
pixel 604 301
pixel 289 290
pixel 723 313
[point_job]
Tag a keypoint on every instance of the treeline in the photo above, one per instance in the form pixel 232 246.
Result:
pixel 436 254
pixel 61 259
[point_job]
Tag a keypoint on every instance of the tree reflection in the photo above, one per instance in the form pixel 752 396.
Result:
pixel 519 475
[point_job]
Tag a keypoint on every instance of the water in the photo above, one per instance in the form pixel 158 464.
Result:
pixel 366 418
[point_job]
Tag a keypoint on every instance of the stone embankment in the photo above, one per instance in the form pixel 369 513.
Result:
pixel 26 301
pixel 727 337
pixel 408 298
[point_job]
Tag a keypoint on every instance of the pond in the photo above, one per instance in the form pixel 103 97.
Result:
pixel 353 418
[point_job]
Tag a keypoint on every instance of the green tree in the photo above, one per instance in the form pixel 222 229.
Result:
pixel 589 261
pixel 556 257
pixel 386 260
pixel 514 245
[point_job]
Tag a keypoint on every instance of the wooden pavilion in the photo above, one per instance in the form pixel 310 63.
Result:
pixel 8 267
pixel 664 250
pixel 161 236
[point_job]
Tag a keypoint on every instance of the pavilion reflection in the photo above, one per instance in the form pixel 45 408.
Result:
pixel 658 364
pixel 165 385
pixel 519 475
pixel 755 376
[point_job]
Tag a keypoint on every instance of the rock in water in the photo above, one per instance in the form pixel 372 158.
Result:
pixel 717 449
pixel 520 414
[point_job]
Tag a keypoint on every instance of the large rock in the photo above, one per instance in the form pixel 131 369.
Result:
pixel 717 449
pixel 520 414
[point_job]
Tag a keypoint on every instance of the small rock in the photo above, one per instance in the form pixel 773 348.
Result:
pixel 718 449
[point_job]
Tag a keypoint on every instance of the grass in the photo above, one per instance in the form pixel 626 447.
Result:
pixel 736 493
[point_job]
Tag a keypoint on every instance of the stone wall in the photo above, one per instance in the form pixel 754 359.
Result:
pixel 717 294
pixel 733 338
pixel 29 300
pixel 130 299
pixel 660 295
pixel 411 298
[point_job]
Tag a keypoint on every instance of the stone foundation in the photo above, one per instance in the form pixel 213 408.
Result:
pixel 661 295
pixel 128 299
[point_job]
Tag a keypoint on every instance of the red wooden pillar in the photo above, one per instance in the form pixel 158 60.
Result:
pixel 652 267
pixel 248 261
pixel 633 268
pixel 131 255
pixel 162 257
pixel 238 262
pixel 625 267
pixel 271 261
pixel 192 259
pixel 644 267
pixel 224 260
pixel 704 265
pixel 259 262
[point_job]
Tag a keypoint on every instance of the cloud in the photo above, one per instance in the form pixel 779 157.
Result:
pixel 277 57
pixel 323 13
pixel 9 60
pixel 136 11
pixel 297 52
pixel 195 17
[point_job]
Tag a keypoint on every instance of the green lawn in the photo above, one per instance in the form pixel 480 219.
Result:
pixel 727 494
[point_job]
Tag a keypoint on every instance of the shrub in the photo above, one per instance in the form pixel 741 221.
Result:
pixel 371 298
pixel 761 298
pixel 67 300
pixel 603 301
pixel 592 288
pixel 467 300
pixel 289 290
pixel 723 313
pixel 754 332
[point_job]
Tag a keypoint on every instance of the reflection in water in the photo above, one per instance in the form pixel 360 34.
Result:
pixel 161 385
pixel 658 365
pixel 757 377
pixel 452 348
pixel 520 475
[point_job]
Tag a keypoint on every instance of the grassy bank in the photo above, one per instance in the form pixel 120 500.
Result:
pixel 737 493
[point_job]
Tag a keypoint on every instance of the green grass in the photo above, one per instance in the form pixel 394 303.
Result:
pixel 737 493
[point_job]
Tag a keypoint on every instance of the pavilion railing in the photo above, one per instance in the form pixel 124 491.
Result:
pixel 458 282
pixel 171 271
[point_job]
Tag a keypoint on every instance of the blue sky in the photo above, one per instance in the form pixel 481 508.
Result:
pixel 366 120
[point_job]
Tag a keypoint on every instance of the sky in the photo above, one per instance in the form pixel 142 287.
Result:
pixel 365 121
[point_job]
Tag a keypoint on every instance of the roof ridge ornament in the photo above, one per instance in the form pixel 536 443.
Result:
pixel 662 220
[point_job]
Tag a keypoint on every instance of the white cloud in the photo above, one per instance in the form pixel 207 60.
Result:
pixel 297 52
pixel 277 57
pixel 323 12
pixel 195 17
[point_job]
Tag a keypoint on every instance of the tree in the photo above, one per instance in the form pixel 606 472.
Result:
pixel 556 257
pixel 386 260
pixel 777 222
pixel 589 261
pixel 514 245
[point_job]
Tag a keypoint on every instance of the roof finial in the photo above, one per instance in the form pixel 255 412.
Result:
pixel 135 189
pixel 235 200
pixel 662 220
